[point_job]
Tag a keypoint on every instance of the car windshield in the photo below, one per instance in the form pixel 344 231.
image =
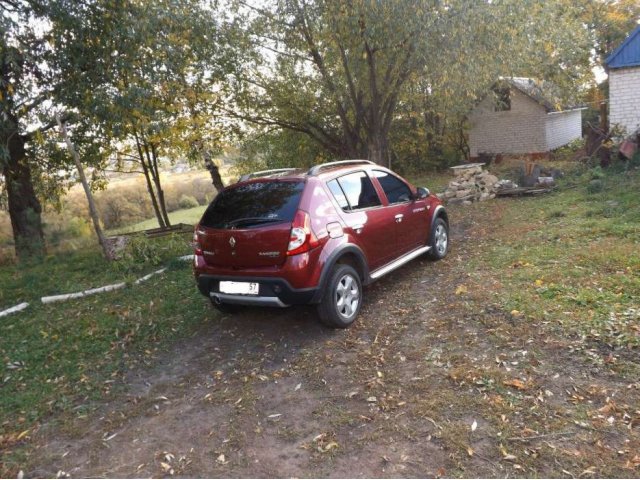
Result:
pixel 254 204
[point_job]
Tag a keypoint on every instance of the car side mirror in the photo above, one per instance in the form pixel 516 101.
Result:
pixel 422 192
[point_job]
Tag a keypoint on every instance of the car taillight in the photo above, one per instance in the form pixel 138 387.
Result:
pixel 302 238
pixel 197 248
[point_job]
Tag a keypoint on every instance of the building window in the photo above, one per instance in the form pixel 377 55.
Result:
pixel 503 99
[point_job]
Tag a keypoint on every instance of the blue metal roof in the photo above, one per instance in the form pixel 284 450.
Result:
pixel 628 53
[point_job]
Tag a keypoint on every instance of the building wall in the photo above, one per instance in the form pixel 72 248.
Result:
pixel 624 98
pixel 562 128
pixel 519 130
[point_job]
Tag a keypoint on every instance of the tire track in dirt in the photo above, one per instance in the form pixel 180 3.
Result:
pixel 272 393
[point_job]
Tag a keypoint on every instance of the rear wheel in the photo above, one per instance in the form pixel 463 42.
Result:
pixel 439 240
pixel 342 298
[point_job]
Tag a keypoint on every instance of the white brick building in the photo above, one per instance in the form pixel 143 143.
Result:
pixel 624 84
pixel 518 118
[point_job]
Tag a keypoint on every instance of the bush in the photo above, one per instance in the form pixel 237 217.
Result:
pixel 597 173
pixel 79 227
pixel 187 201
pixel 142 251
pixel 595 186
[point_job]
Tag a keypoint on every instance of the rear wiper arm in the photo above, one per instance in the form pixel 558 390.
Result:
pixel 238 221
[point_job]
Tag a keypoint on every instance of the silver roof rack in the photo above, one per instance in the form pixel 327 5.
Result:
pixel 316 169
pixel 266 173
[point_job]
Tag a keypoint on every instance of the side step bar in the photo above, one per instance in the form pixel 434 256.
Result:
pixel 390 267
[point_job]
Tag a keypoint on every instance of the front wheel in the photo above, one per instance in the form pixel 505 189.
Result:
pixel 439 241
pixel 342 298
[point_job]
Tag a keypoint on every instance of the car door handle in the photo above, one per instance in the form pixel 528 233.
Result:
pixel 399 217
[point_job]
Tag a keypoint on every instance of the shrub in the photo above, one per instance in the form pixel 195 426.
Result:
pixel 79 227
pixel 187 201
pixel 597 173
pixel 142 251
pixel 595 186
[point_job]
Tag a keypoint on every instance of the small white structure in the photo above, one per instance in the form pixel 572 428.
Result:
pixel 519 117
pixel 623 66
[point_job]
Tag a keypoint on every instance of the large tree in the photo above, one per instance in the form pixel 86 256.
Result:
pixel 339 71
pixel 24 90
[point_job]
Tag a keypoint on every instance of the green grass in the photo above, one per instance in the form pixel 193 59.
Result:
pixel 189 215
pixel 436 181
pixel 572 259
pixel 63 356
pixel 82 269
pixel 69 354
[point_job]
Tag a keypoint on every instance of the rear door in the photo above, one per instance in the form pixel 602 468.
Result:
pixel 364 214
pixel 250 225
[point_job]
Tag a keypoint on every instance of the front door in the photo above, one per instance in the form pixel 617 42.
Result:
pixel 409 215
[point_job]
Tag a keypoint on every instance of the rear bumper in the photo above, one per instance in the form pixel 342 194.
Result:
pixel 273 292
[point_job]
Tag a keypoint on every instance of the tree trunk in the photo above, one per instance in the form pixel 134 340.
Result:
pixel 24 207
pixel 214 171
pixel 378 149
pixel 155 174
pixel 145 170
pixel 93 211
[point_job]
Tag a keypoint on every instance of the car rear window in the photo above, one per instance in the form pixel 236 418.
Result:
pixel 253 205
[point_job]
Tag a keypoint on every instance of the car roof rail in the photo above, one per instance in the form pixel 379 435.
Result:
pixel 316 169
pixel 265 173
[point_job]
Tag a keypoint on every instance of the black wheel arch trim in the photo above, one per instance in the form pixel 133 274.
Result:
pixel 336 255
pixel 439 212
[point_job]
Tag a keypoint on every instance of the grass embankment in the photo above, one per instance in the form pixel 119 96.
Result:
pixel 60 357
pixel 570 259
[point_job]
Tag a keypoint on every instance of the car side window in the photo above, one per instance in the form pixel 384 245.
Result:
pixel 356 189
pixel 395 189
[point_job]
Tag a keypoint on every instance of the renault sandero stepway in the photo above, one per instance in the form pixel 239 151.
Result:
pixel 289 237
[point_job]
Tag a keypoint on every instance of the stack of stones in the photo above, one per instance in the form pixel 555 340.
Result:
pixel 472 184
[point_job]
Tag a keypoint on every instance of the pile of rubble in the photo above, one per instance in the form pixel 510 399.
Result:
pixel 471 184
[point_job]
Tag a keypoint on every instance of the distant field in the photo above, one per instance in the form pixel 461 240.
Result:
pixel 188 215
pixel 124 206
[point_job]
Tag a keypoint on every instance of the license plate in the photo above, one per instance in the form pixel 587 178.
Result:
pixel 240 288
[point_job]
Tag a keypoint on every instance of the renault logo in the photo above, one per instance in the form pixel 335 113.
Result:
pixel 232 242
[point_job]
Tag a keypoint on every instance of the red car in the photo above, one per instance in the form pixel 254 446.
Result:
pixel 289 237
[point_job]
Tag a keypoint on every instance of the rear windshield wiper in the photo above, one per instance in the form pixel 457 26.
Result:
pixel 251 221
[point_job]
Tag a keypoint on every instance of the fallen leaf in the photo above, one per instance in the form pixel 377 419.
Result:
pixel 328 447
pixel 519 384
pixel 372 399
pixel 461 289
pixel 298 387
pixel 470 451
